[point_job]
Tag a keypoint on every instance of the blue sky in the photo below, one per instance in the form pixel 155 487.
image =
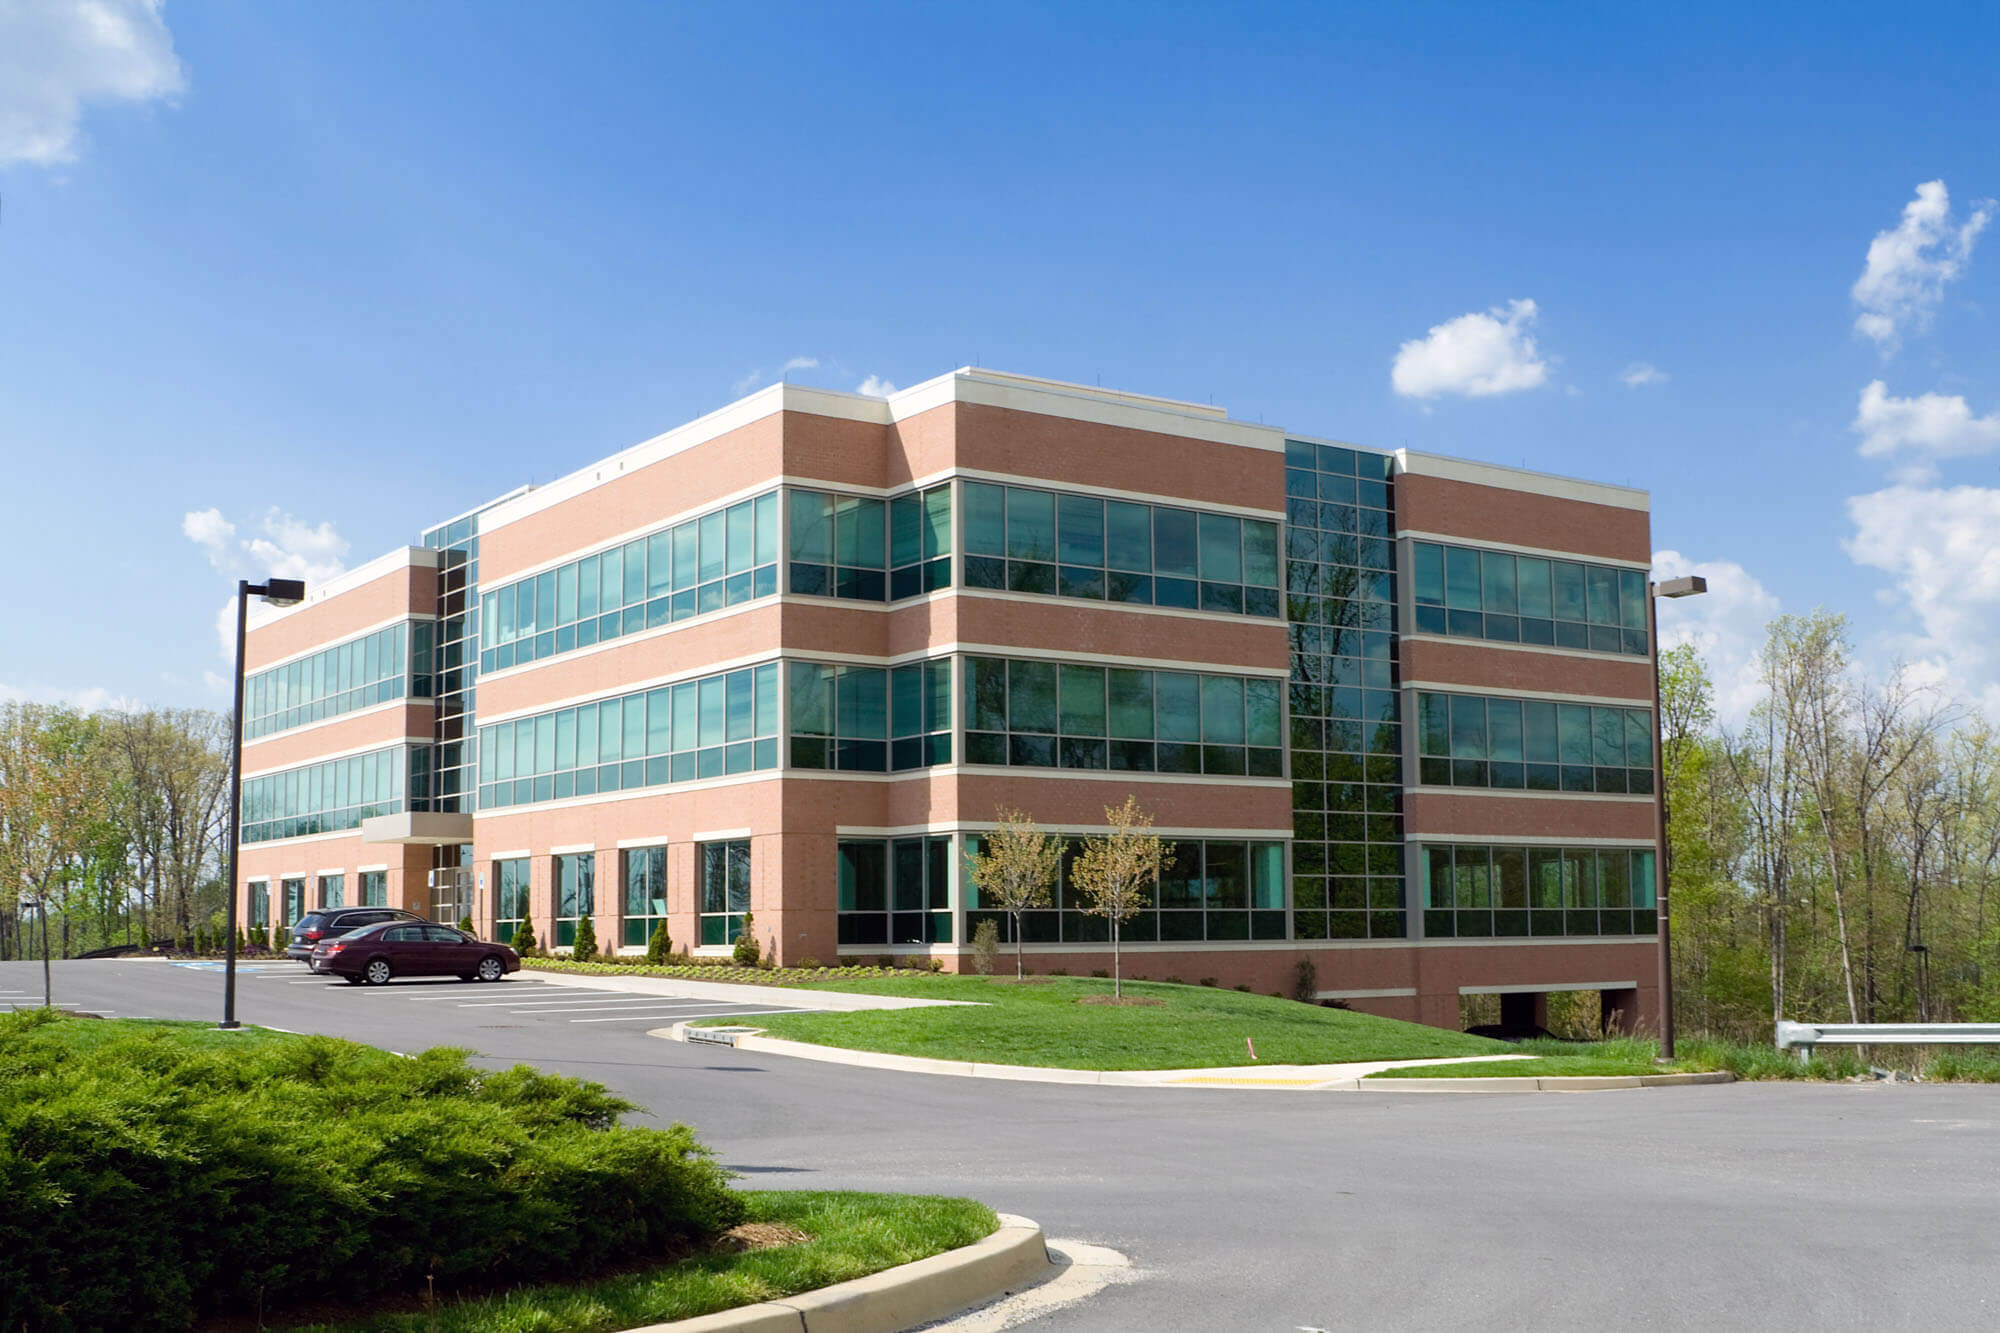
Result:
pixel 336 272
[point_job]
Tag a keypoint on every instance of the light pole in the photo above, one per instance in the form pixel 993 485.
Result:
pixel 1692 585
pixel 278 592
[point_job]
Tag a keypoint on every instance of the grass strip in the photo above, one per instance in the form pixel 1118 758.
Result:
pixel 1633 1055
pixel 853 1235
pixel 1040 1023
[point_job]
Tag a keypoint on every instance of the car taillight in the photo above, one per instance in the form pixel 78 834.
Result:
pixel 311 934
pixel 333 946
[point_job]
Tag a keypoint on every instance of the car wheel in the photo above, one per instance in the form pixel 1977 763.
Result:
pixel 378 972
pixel 491 969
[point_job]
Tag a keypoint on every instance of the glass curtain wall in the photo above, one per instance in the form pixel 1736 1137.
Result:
pixel 1347 768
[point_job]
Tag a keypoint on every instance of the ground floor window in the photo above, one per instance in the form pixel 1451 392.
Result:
pixel 1479 891
pixel 333 890
pixel 510 898
pixel 294 901
pixel 1215 890
pixel 645 893
pixel 576 893
pixel 725 890
pixel 896 891
pixel 374 888
pixel 260 904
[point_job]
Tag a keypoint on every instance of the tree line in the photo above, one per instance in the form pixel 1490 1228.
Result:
pixel 116 821
pixel 1833 857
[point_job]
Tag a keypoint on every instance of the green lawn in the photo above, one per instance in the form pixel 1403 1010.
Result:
pixel 853 1235
pixel 1040 1023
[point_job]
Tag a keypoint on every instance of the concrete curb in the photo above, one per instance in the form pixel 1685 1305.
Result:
pixel 896 1298
pixel 1566 1083
pixel 1269 1078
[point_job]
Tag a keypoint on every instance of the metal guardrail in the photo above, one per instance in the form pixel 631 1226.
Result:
pixel 1802 1037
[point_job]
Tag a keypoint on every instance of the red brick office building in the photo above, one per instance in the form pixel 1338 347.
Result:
pixel 792 658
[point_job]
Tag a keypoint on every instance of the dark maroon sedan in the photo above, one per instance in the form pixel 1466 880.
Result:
pixel 374 954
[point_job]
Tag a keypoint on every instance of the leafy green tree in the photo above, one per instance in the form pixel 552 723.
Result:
pixel 1014 870
pixel 584 949
pixel 660 946
pixel 1118 872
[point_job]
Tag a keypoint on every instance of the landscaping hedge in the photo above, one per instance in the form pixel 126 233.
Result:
pixel 151 1174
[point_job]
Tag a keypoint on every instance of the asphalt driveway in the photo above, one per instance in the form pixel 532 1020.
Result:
pixel 1748 1206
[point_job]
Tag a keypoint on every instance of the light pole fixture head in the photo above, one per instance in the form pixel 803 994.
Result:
pixel 283 592
pixel 1692 585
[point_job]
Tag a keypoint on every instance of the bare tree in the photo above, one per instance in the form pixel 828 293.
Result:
pixel 1117 873
pixel 1015 870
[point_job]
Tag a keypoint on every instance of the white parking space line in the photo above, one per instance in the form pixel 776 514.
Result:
pixel 681 1013
pixel 652 1003
pixel 604 997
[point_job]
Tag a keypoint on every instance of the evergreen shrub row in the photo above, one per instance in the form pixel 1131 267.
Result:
pixel 153 1175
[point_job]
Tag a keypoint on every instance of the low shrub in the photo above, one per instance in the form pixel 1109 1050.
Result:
pixel 159 1174
pixel 1305 981
pixel 1210 982
pixel 523 942
pixel 465 924
pixel 584 947
pixel 661 946
pixel 746 951
pixel 985 947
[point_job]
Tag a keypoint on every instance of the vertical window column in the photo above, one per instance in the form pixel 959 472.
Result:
pixel 510 897
pixel 332 891
pixel 725 890
pixel 645 894
pixel 576 894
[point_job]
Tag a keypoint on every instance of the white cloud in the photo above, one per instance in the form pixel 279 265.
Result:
pixel 1725 625
pixel 1903 280
pixel 285 547
pixel 757 377
pixel 1641 373
pixel 89 699
pixel 57 56
pixel 1930 427
pixel 1475 356
pixel 1942 545
pixel 208 529
pixel 875 387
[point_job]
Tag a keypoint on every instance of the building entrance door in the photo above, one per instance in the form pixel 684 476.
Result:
pixel 451 895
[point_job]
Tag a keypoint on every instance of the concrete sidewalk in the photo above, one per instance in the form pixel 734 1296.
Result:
pixel 724 992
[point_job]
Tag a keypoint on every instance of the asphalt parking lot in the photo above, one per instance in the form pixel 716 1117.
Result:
pixel 1768 1206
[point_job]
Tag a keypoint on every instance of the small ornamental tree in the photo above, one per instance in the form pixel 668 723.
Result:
pixel 465 924
pixel 660 946
pixel 1117 873
pixel 523 942
pixel 584 949
pixel 1015 870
